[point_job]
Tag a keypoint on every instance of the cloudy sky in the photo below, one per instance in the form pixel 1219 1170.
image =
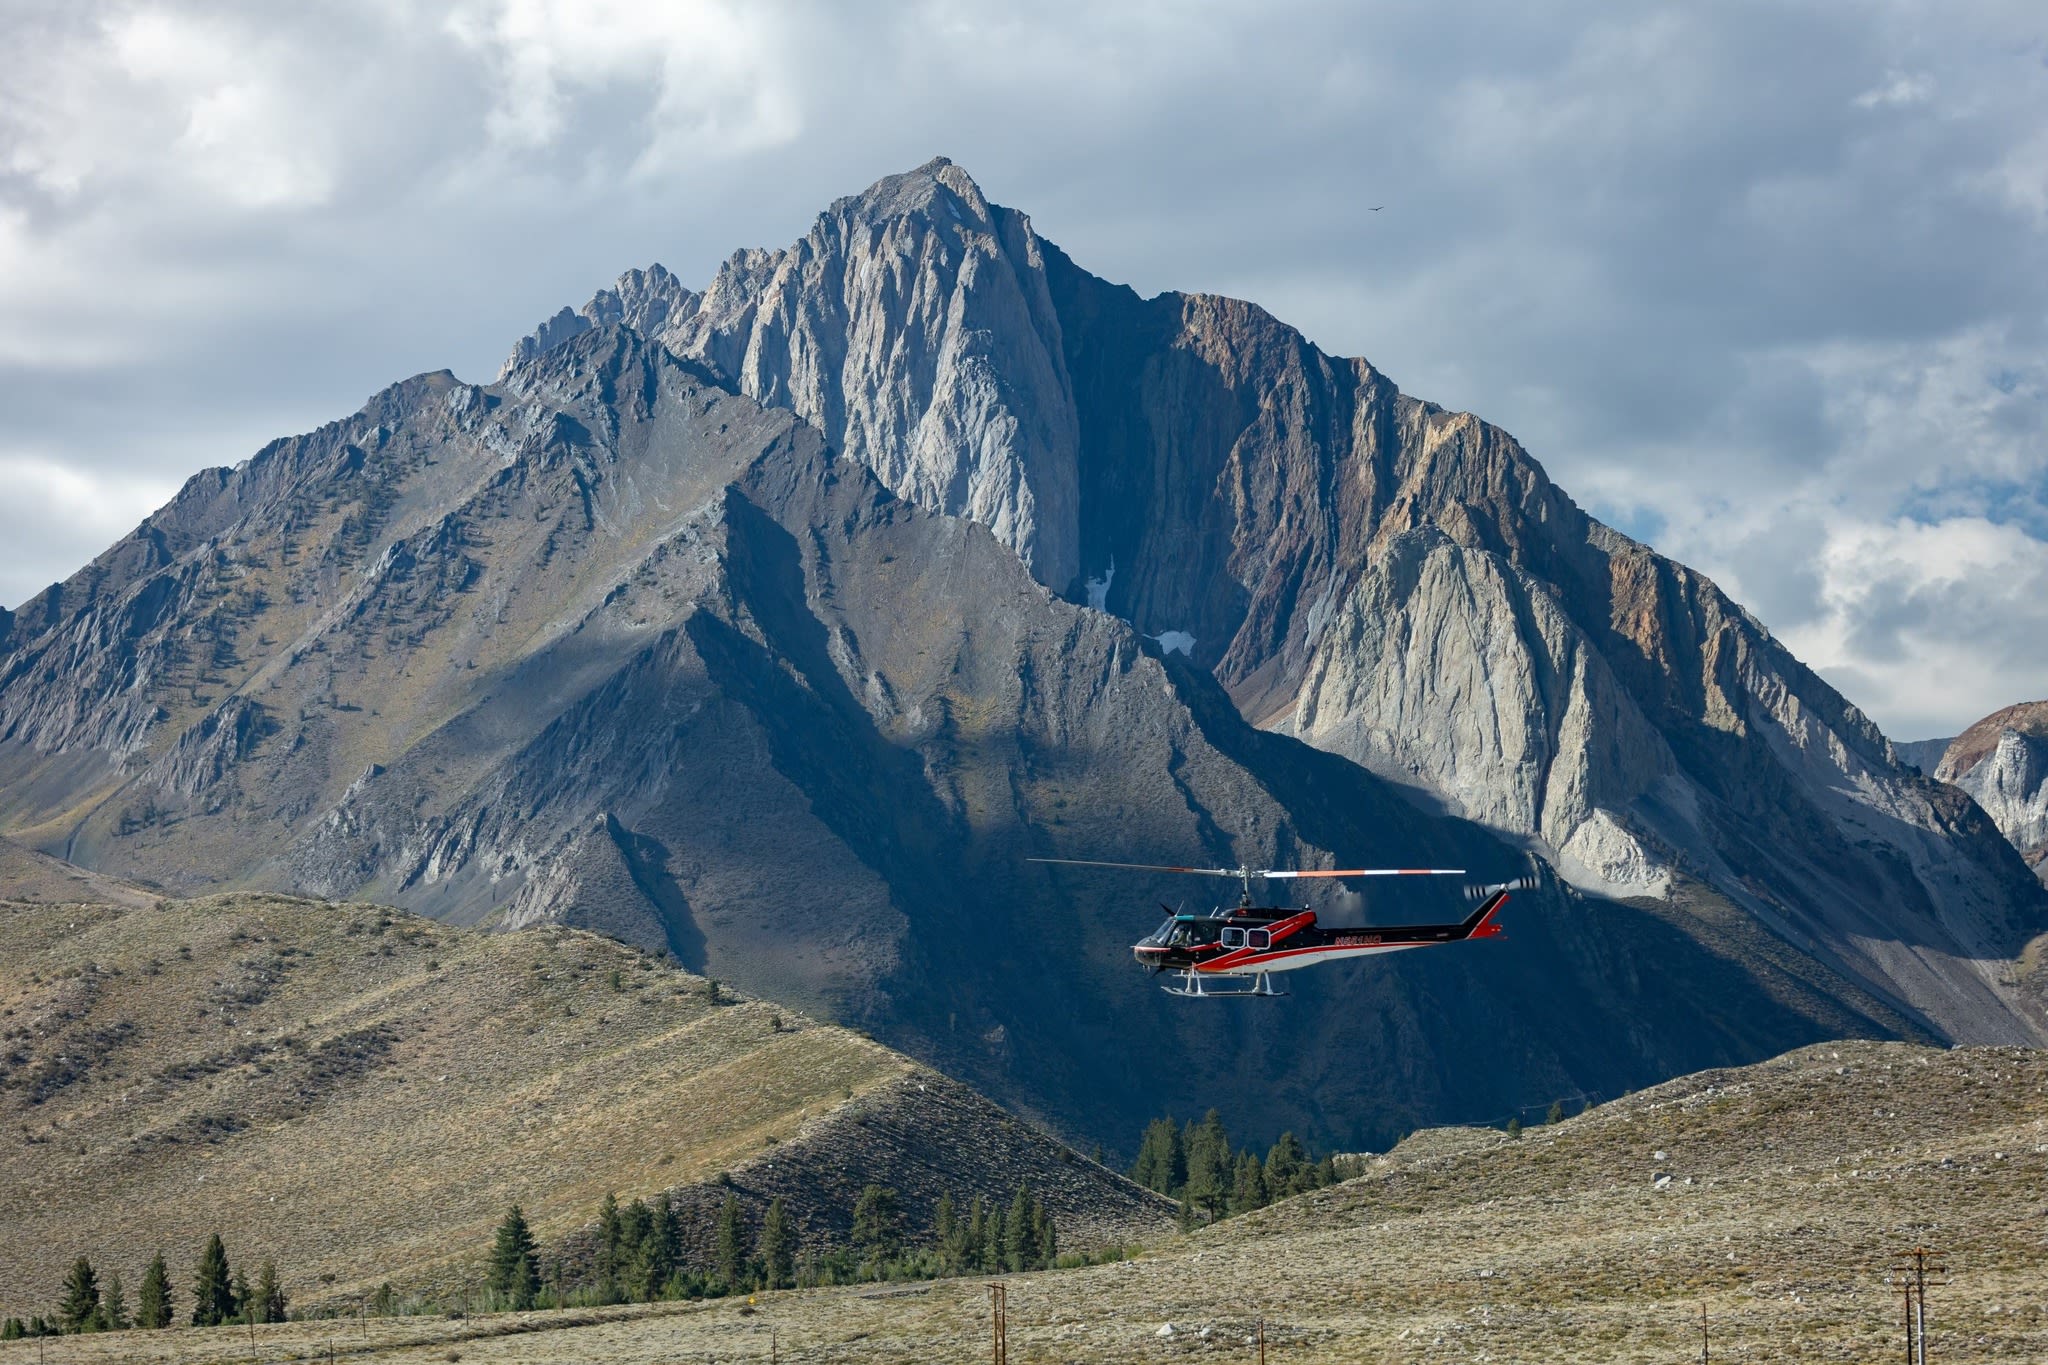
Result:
pixel 1765 284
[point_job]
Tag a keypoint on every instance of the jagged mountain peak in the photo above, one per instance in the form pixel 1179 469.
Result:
pixel 937 186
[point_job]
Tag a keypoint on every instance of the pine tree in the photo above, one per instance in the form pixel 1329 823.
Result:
pixel 153 1300
pixel 945 1228
pixel 245 1302
pixel 610 1234
pixel 636 1226
pixel 213 1292
pixel 976 1237
pixel 732 1244
pixel 114 1307
pixel 668 1230
pixel 1284 1163
pixel 13 1330
pixel 877 1226
pixel 1556 1112
pixel 270 1300
pixel 1515 1126
pixel 513 1244
pixel 525 1287
pixel 992 1239
pixel 1248 1187
pixel 1162 1161
pixel 778 1246
pixel 1018 1243
pixel 1326 1171
pixel 80 1310
pixel 1046 1235
pixel 1208 1163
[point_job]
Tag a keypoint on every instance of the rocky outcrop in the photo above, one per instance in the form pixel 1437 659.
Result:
pixel 1924 754
pixel 2002 762
pixel 912 325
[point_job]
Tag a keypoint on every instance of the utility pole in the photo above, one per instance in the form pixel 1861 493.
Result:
pixel 1914 1267
pixel 1262 1341
pixel 999 1304
pixel 1703 1334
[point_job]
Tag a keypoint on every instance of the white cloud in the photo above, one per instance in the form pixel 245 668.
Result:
pixel 1899 88
pixel 54 517
pixel 718 77
pixel 1753 278
pixel 1933 624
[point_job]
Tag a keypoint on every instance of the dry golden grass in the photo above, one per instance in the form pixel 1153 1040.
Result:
pixel 358 1093
pixel 1804 1175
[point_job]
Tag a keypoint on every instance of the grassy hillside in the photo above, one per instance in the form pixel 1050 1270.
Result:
pixel 26 875
pixel 359 1093
pixel 1790 1184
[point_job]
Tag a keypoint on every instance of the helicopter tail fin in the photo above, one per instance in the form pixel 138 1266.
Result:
pixel 1480 923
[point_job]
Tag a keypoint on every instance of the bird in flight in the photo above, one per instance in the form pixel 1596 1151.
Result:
pixel 1375 208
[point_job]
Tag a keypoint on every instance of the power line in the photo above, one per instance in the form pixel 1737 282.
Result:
pixel 1912 1268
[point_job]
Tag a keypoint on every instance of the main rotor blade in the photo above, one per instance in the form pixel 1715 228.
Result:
pixel 1261 871
pixel 1144 867
pixel 1373 872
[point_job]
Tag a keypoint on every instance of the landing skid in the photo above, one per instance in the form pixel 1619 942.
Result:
pixel 1204 986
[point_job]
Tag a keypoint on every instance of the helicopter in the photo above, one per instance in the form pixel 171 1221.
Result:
pixel 1236 952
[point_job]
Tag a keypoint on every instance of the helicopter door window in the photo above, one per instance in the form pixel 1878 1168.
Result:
pixel 1260 938
pixel 1233 938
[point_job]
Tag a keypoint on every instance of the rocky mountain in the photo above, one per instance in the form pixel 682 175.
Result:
pixel 2002 762
pixel 1390 582
pixel 359 1093
pixel 777 626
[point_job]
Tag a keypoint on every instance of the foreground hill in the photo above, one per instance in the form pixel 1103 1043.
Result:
pixel 359 1093
pixel 1774 1195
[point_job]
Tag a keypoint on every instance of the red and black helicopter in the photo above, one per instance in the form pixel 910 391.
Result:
pixel 1214 953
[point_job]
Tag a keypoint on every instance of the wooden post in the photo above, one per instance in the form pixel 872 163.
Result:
pixel 999 1305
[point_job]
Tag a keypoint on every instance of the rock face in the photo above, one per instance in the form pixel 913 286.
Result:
pixel 612 643
pixel 2002 762
pixel 1924 754
pixel 914 328
pixel 1390 582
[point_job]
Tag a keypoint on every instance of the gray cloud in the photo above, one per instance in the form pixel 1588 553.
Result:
pixel 1764 283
